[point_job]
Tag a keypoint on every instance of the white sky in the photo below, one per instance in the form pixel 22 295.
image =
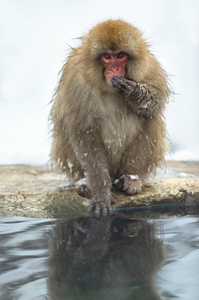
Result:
pixel 34 40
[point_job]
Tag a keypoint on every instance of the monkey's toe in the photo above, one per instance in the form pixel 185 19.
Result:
pixel 113 201
pixel 127 185
pixel 131 191
pixel 84 191
pixel 100 207
pixel 132 186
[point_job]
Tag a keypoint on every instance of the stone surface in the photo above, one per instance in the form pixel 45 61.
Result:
pixel 39 192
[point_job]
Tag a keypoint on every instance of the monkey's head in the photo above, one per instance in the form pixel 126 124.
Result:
pixel 115 48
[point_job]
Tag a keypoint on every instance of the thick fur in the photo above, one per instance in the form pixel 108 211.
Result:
pixel 95 133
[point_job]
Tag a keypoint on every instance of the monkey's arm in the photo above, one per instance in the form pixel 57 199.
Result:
pixel 142 98
pixel 90 151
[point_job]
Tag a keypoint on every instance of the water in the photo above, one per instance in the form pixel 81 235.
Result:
pixel 124 257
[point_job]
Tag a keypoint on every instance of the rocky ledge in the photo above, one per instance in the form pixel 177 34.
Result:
pixel 41 193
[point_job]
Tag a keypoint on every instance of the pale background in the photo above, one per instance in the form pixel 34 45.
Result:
pixel 34 38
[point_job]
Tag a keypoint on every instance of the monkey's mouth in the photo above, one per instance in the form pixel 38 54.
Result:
pixel 113 74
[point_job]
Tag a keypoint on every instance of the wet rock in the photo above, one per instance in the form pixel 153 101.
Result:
pixel 40 192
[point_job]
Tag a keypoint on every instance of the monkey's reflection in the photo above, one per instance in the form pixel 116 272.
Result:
pixel 103 258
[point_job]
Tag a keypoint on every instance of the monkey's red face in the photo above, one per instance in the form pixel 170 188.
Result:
pixel 114 63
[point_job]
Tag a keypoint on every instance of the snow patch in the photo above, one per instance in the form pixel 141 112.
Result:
pixel 81 181
pixel 70 166
pixel 184 155
pixel 147 105
pixel 134 177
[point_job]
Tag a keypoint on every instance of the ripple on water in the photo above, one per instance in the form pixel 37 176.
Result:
pixel 118 257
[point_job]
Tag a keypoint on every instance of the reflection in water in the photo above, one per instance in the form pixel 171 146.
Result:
pixel 23 252
pixel 104 258
pixel 99 258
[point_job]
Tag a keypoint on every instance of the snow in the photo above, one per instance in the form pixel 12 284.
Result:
pixel 184 155
pixel 22 154
pixel 34 38
pixel 134 177
pixel 81 181
pixel 70 165
pixel 116 181
pixel 147 104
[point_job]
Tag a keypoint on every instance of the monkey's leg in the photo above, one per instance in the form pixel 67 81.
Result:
pixel 139 159
pixel 90 152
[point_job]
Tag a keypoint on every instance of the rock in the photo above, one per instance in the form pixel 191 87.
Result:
pixel 42 193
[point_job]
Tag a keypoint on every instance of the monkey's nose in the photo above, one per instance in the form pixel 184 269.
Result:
pixel 114 69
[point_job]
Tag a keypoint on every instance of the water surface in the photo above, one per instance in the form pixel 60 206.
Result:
pixel 119 257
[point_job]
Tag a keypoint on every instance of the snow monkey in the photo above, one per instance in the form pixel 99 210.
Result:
pixel 107 113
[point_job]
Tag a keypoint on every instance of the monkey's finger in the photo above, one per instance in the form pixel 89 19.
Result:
pixel 118 90
pixel 129 83
pixel 91 206
pixel 107 209
pixel 123 83
pixel 110 209
pixel 97 209
pixel 117 86
pixel 104 210
pixel 118 81
pixel 94 206
pixel 131 192
pixel 128 80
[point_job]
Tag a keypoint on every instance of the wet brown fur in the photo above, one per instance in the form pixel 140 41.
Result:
pixel 93 129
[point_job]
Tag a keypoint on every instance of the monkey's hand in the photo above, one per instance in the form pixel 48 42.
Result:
pixel 101 204
pixel 140 97
pixel 125 87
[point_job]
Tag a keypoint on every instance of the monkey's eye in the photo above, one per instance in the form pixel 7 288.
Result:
pixel 106 55
pixel 120 55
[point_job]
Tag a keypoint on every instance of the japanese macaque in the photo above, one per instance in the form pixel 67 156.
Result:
pixel 107 115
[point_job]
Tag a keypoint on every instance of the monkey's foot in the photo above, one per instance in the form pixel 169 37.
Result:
pixel 128 184
pixel 100 206
pixel 84 191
